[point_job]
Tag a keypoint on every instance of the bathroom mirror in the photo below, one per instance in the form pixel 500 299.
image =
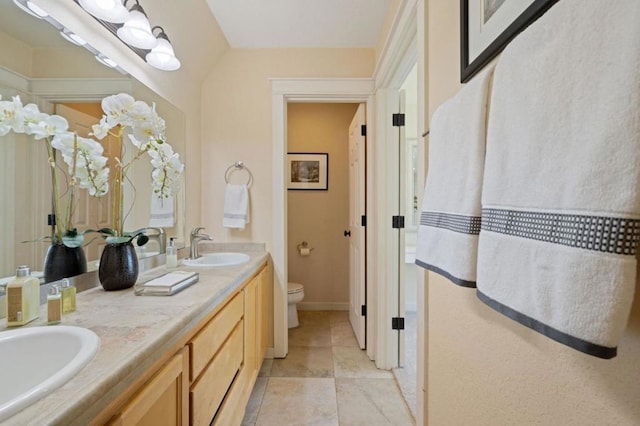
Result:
pixel 40 66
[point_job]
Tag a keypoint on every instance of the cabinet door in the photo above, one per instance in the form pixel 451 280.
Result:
pixel 250 329
pixel 263 314
pixel 164 400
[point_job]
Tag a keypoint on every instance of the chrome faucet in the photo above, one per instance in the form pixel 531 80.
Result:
pixel 196 237
pixel 160 236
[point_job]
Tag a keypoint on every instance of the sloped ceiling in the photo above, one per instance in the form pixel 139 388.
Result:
pixel 300 23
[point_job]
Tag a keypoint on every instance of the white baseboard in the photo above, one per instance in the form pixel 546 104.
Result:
pixel 323 306
pixel 269 354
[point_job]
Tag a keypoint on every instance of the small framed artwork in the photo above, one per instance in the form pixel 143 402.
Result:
pixel 307 171
pixel 487 26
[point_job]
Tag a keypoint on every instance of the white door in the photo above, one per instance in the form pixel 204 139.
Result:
pixel 356 231
pixel 91 212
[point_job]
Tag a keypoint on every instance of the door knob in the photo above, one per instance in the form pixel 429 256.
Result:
pixel 347 233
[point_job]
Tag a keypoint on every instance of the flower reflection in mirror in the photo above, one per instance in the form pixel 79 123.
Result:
pixel 139 123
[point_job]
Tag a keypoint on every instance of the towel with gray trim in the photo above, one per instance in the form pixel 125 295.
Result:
pixel 561 201
pixel 447 240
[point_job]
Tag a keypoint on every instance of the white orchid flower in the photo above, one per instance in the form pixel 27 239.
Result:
pixel 116 109
pixel 90 166
pixel 11 115
pixel 101 129
pixel 52 125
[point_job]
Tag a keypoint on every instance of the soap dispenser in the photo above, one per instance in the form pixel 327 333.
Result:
pixel 68 296
pixel 54 305
pixel 172 255
pixel 23 298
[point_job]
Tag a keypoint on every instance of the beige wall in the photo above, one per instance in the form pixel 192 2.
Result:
pixel 484 369
pixel 236 124
pixel 15 54
pixel 320 217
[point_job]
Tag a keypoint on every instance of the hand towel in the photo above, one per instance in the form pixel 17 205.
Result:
pixel 162 212
pixel 561 201
pixel 236 206
pixel 447 241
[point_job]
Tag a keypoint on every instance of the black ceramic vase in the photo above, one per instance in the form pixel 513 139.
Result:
pixel 63 262
pixel 118 268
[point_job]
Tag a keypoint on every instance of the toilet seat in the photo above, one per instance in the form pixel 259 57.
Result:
pixel 293 288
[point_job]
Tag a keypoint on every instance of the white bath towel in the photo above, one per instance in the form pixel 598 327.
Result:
pixel 236 206
pixel 450 217
pixel 162 212
pixel 561 195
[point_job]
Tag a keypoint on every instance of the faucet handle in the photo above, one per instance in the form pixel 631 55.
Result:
pixel 195 231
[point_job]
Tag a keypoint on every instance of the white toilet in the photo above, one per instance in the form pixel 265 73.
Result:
pixel 295 294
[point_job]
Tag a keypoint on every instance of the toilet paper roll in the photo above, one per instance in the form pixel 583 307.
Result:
pixel 305 251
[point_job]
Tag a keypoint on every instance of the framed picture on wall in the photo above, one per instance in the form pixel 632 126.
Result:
pixel 487 26
pixel 307 171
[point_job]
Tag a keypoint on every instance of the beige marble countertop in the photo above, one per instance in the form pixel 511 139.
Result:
pixel 134 331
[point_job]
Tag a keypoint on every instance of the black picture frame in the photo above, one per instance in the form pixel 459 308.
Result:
pixel 307 171
pixel 471 66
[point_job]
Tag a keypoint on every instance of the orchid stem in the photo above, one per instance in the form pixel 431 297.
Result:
pixel 54 180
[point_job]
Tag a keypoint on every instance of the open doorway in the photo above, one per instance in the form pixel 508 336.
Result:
pixel 325 192
pixel 286 92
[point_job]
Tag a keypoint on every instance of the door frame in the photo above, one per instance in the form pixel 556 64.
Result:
pixel 317 90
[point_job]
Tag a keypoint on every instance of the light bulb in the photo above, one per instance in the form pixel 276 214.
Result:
pixel 107 10
pixel 106 61
pixel 73 37
pixel 31 9
pixel 162 56
pixel 136 30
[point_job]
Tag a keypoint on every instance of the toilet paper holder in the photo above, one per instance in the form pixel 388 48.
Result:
pixel 304 249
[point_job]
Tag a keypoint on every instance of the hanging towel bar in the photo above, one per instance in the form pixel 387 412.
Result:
pixel 238 165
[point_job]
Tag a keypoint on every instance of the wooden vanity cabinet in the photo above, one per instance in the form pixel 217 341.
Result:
pixel 210 378
pixel 255 344
pixel 164 400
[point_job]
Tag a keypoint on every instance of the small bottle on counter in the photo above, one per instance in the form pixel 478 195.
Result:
pixel 23 298
pixel 172 255
pixel 68 296
pixel 54 305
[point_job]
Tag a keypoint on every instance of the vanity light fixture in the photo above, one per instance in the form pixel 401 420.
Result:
pixel 32 9
pixel 106 61
pixel 106 10
pixel 72 37
pixel 136 30
pixel 162 56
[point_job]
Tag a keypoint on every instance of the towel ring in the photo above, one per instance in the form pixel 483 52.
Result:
pixel 238 165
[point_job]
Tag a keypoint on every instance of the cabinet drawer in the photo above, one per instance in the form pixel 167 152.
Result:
pixel 208 392
pixel 207 342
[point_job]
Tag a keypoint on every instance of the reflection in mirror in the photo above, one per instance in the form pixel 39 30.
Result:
pixel 40 66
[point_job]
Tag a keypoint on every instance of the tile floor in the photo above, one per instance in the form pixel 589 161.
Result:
pixel 325 380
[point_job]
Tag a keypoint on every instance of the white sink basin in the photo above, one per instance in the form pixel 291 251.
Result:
pixel 217 260
pixel 35 361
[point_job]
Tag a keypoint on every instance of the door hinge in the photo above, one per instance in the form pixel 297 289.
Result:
pixel 51 220
pixel 363 130
pixel 363 310
pixel 363 220
pixel 398 119
pixel 397 323
pixel 397 222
